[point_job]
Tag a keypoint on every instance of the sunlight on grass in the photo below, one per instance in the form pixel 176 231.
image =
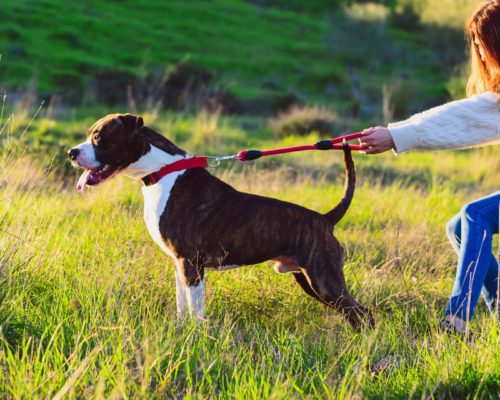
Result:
pixel 88 301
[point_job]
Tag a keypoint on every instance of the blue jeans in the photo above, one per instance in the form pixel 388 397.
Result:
pixel 470 233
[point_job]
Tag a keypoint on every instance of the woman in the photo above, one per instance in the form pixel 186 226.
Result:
pixel 465 123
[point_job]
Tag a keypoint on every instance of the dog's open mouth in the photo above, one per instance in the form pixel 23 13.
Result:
pixel 95 176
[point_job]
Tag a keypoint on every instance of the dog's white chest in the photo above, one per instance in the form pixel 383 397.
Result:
pixel 155 201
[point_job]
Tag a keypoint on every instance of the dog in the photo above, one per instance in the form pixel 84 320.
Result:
pixel 203 223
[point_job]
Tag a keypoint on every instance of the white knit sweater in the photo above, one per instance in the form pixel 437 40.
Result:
pixel 474 121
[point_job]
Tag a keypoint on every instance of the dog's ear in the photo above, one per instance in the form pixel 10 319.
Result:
pixel 131 123
pixel 139 124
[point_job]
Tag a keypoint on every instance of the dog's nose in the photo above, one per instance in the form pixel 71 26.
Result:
pixel 73 153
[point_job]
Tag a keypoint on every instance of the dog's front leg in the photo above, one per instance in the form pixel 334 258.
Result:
pixel 190 288
pixel 196 300
pixel 180 292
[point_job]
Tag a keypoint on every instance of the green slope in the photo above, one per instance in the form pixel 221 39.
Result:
pixel 319 52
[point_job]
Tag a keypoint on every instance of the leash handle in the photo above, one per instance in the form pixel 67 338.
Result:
pixel 327 144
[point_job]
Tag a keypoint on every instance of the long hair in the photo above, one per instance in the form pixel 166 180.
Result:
pixel 483 34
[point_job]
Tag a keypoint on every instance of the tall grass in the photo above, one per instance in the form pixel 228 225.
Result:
pixel 88 301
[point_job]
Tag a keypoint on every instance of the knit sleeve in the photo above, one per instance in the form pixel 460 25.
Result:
pixel 474 121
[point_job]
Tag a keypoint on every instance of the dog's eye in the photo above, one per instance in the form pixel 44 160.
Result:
pixel 97 137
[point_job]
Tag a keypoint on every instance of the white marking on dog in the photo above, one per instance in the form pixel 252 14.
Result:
pixel 86 157
pixel 155 201
pixel 155 196
pixel 150 162
pixel 180 292
pixel 196 300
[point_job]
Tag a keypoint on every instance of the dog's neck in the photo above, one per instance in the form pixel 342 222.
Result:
pixel 151 162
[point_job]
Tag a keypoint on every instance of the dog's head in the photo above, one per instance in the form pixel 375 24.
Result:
pixel 114 143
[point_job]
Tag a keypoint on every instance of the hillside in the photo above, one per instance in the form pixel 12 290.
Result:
pixel 245 56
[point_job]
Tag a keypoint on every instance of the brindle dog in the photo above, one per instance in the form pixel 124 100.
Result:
pixel 204 223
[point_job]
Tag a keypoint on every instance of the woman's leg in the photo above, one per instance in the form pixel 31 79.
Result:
pixel 479 221
pixel 490 285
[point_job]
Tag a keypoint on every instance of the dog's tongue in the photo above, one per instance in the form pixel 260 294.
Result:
pixel 82 181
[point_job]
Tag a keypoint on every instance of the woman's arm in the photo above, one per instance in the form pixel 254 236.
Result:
pixel 473 121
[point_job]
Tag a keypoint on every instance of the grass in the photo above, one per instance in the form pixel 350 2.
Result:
pixel 88 300
pixel 317 52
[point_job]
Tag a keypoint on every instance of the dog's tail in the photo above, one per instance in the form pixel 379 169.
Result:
pixel 336 214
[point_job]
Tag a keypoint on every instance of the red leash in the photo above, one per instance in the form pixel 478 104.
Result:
pixel 328 144
pixel 248 155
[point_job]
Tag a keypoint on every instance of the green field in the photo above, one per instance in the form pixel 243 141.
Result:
pixel 320 52
pixel 87 300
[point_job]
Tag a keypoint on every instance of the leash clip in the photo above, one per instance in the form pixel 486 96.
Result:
pixel 214 161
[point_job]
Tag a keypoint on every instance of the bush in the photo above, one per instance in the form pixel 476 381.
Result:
pixel 303 120
pixel 406 16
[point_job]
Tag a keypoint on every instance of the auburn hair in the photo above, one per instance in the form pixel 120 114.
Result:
pixel 483 34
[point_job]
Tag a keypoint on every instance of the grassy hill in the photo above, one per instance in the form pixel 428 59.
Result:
pixel 337 53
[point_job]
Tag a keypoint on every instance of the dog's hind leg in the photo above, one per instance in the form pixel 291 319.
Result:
pixel 338 297
pixel 287 264
pixel 304 284
pixel 301 279
pixel 326 279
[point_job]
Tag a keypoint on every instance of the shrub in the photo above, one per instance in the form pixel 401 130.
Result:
pixel 406 16
pixel 303 120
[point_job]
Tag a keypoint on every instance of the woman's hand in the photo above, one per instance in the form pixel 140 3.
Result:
pixel 376 140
